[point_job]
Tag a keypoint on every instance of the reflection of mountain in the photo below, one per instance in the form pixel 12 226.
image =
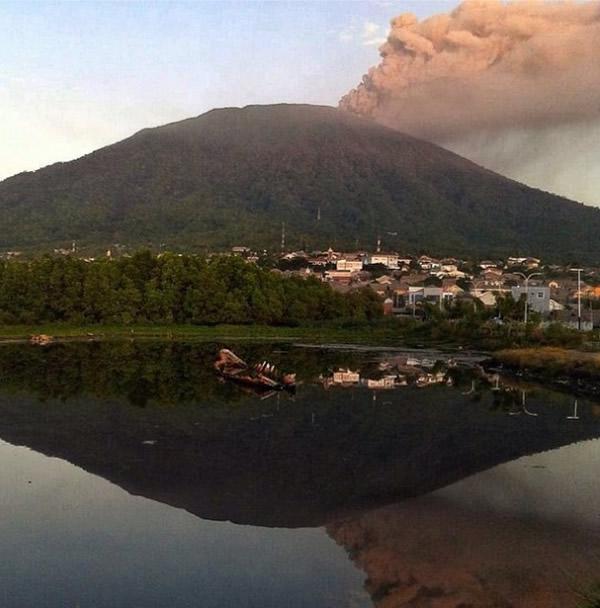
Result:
pixel 427 553
pixel 278 462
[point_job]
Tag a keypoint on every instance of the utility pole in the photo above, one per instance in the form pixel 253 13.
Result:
pixel 578 271
pixel 527 277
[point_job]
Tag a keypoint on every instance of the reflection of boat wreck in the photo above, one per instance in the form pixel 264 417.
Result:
pixel 263 375
pixel 41 340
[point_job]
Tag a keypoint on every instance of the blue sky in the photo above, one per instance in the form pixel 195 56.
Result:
pixel 75 76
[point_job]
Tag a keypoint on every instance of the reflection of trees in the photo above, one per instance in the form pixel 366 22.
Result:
pixel 223 454
pixel 166 372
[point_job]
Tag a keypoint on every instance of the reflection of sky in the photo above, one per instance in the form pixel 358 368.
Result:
pixel 561 484
pixel 69 538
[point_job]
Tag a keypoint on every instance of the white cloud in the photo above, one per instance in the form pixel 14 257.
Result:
pixel 369 29
pixel 368 34
pixel 347 34
pixel 372 34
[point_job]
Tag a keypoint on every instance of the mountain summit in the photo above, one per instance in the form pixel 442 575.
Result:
pixel 233 176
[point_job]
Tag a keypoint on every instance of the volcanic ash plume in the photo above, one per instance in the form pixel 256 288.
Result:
pixel 487 67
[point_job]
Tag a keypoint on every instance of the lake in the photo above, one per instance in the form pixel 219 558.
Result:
pixel 131 475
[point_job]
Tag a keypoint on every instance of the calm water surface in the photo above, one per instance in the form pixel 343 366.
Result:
pixel 131 476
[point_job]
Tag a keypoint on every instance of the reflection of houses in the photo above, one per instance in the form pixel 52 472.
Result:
pixel 393 373
pixel 430 378
pixel 386 383
pixel 414 362
pixel 346 377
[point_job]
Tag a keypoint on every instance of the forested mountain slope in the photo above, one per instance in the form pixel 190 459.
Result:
pixel 232 176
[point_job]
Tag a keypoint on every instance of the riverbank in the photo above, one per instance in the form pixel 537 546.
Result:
pixel 378 334
pixel 575 370
pixel 410 333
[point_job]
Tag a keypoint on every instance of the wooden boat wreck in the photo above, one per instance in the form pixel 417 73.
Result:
pixel 262 375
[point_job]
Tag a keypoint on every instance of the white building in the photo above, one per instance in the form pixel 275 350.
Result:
pixel 351 265
pixel 538 297
pixel 389 260
pixel 433 295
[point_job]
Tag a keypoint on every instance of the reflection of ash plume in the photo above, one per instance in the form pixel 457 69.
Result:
pixel 429 554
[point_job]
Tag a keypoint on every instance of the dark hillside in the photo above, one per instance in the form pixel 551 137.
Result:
pixel 232 176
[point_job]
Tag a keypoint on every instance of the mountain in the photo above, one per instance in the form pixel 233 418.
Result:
pixel 232 176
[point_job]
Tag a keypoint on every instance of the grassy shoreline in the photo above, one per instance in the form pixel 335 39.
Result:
pixel 380 335
pixel 551 361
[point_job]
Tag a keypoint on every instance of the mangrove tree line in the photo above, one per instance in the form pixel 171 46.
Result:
pixel 170 288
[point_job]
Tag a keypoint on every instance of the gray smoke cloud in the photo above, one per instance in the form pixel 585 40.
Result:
pixel 514 86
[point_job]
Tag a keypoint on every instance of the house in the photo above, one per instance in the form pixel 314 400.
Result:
pixel 532 263
pixel 568 318
pixel 351 264
pixel 538 297
pixel 389 260
pixel 414 279
pixel 427 263
pixel 455 290
pixel 487 298
pixel 432 295
pixel 528 262
pixel 487 264
pixel 491 279
pixel 323 258
pixel 400 299
pixel 340 276
pixel 450 270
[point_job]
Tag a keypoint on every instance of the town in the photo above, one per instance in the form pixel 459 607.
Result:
pixel 408 285
pixel 556 293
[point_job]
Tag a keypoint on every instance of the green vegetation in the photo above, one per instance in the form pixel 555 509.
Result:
pixel 372 333
pixel 232 176
pixel 551 361
pixel 170 289
pixel 187 296
pixel 591 599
